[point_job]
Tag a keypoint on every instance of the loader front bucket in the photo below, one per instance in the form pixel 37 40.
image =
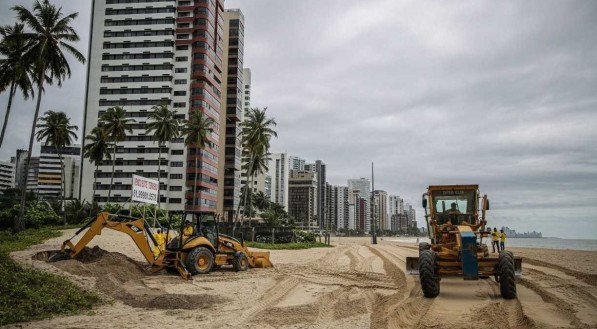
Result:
pixel 412 265
pixel 259 259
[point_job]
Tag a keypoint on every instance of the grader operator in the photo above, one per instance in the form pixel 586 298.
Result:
pixel 199 251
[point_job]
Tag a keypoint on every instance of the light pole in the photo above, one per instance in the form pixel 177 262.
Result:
pixel 374 235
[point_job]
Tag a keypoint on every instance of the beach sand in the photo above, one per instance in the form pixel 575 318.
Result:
pixel 353 285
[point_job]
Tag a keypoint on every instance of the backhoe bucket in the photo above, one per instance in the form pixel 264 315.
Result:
pixel 412 265
pixel 259 259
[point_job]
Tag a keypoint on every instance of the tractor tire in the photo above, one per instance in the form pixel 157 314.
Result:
pixel 424 246
pixel 240 262
pixel 505 271
pixel 428 273
pixel 199 261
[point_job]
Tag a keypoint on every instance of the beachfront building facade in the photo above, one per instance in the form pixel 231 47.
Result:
pixel 302 198
pixel 362 186
pixel 7 175
pixel 319 168
pixel 148 53
pixel 380 210
pixel 51 179
pixel 229 186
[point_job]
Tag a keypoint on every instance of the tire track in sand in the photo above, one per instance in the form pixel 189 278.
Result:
pixel 273 295
pixel 398 310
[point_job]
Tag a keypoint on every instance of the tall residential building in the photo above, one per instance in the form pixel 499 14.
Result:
pixel 380 210
pixel 7 175
pixel 357 210
pixel 395 207
pixel 50 178
pixel 280 165
pixel 363 186
pixel 319 168
pixel 246 95
pixel 411 214
pixel 32 175
pixel 302 197
pixel 231 114
pixel 339 204
pixel 152 52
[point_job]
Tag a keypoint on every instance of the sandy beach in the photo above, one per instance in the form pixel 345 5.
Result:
pixel 352 285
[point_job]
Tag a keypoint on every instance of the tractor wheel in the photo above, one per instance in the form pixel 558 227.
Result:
pixel 240 262
pixel 199 261
pixel 424 246
pixel 428 273
pixel 505 271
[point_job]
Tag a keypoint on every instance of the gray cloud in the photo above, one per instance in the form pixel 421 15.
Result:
pixel 500 94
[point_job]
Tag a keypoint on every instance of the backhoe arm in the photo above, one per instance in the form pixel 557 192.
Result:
pixel 137 229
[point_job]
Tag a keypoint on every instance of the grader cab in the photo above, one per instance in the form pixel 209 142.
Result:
pixel 455 216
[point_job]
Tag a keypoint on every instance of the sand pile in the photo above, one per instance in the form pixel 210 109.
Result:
pixel 120 277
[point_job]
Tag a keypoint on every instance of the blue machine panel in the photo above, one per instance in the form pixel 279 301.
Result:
pixel 468 256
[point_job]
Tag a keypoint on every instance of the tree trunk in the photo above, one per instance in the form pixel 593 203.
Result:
pixel 249 169
pixel 196 173
pixel 112 177
pixel 13 90
pixel 19 224
pixel 62 185
pixel 94 182
pixel 159 174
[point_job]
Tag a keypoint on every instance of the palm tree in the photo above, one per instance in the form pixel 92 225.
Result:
pixel 15 72
pixel 115 124
pixel 96 150
pixel 261 201
pixel 257 131
pixel 51 30
pixel 55 130
pixel 196 130
pixel 164 126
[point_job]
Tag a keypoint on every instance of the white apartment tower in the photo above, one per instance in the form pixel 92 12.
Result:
pixel 7 175
pixel 151 52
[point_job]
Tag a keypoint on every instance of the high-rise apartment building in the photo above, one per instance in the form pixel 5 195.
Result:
pixel 280 165
pixel 319 168
pixel 51 180
pixel 339 204
pixel 362 186
pixel 246 95
pixel 302 197
pixel 152 52
pixel 231 111
pixel 7 175
pixel 380 210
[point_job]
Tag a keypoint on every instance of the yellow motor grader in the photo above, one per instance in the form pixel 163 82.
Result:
pixel 199 253
pixel 455 216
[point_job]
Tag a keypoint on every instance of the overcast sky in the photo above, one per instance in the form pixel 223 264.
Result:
pixel 502 94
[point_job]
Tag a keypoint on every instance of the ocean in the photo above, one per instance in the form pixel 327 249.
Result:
pixel 548 243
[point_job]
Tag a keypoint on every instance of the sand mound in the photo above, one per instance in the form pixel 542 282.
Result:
pixel 122 278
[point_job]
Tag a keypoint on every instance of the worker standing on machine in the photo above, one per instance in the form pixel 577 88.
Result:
pixel 495 240
pixel 160 238
pixel 187 230
pixel 502 240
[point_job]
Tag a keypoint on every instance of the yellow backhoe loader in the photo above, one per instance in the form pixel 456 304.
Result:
pixel 196 253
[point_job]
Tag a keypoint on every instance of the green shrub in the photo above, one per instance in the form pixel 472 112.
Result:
pixel 305 236
pixel 28 294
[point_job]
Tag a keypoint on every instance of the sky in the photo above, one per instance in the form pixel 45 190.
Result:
pixel 500 94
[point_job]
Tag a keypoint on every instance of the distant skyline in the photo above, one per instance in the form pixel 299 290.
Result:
pixel 500 94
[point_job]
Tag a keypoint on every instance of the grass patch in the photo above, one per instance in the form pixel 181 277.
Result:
pixel 291 246
pixel 28 294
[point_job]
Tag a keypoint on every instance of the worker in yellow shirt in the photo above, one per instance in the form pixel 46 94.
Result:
pixel 495 240
pixel 160 238
pixel 502 240
pixel 187 230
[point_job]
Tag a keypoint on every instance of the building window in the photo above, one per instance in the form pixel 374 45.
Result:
pixel 180 93
pixel 182 36
pixel 180 81
pixel 175 176
pixel 185 47
pixel 175 188
pixel 180 70
pixel 182 59
pixel 177 152
pixel 175 200
pixel 184 13
pixel 180 104
pixel 176 164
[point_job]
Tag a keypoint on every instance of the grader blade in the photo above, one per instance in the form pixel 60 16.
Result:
pixel 412 265
pixel 259 259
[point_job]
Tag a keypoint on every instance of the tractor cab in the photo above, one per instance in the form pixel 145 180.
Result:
pixel 451 206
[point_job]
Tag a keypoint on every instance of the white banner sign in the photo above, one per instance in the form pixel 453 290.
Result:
pixel 145 190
